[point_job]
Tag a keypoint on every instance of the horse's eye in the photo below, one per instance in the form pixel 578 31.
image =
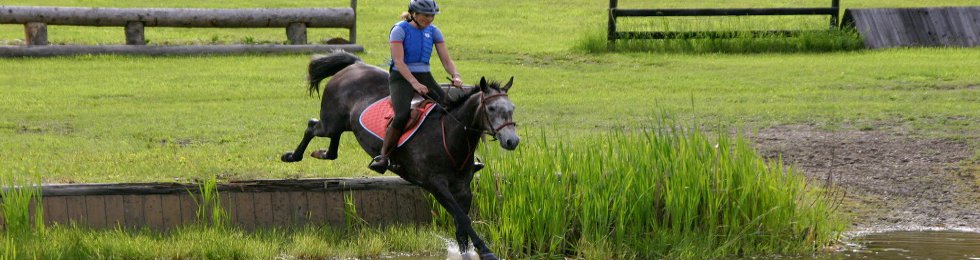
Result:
pixel 492 109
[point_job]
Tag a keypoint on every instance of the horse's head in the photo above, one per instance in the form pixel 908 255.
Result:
pixel 497 113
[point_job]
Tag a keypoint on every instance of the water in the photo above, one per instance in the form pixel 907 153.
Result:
pixel 911 245
pixel 886 246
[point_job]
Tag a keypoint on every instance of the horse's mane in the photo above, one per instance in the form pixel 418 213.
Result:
pixel 472 91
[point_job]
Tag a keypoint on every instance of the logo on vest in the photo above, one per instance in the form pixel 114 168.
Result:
pixel 427 35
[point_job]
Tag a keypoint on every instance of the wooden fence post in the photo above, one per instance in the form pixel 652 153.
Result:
pixel 353 26
pixel 134 33
pixel 612 21
pixel 296 33
pixel 835 4
pixel 36 33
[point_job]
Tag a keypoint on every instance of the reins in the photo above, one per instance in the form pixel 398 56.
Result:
pixel 486 119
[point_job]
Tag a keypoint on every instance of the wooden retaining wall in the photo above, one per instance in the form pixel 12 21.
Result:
pixel 934 26
pixel 249 204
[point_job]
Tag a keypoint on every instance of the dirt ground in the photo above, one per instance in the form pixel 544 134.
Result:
pixel 892 181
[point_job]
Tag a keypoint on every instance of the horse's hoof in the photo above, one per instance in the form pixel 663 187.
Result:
pixel 323 155
pixel 478 165
pixel 488 256
pixel 288 157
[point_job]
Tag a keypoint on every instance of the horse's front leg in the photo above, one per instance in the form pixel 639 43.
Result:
pixel 463 196
pixel 464 225
pixel 297 155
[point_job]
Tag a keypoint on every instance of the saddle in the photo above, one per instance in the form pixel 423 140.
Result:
pixel 378 115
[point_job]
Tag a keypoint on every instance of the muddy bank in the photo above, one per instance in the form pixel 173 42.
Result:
pixel 891 180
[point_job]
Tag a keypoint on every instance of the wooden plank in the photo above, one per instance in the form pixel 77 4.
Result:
pixel 317 207
pixel 368 206
pixel 55 210
pixel 153 210
pixel 188 209
pixel 76 210
pixel 300 208
pixel 115 211
pixel 280 209
pixel 263 210
pixel 95 209
pixel 170 203
pixel 228 205
pixel 133 211
pixel 335 208
pixel 245 213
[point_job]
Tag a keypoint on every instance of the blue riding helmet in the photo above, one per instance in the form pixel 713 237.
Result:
pixel 423 7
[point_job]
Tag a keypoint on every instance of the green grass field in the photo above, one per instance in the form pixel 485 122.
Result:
pixel 136 119
pixel 119 118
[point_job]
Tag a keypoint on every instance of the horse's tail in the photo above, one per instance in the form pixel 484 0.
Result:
pixel 324 66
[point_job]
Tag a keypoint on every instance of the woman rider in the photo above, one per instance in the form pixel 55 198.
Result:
pixel 412 41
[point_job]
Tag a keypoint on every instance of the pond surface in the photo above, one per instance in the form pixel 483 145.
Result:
pixel 911 245
pixel 886 246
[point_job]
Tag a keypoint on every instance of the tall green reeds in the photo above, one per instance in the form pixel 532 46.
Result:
pixel 18 199
pixel 210 213
pixel 654 193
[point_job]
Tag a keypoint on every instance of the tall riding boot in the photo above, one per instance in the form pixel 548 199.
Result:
pixel 380 163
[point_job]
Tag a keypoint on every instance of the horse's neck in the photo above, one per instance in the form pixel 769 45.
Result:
pixel 466 113
pixel 467 116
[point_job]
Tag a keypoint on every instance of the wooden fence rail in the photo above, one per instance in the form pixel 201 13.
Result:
pixel 295 21
pixel 616 12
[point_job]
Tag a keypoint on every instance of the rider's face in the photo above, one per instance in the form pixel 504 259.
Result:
pixel 424 20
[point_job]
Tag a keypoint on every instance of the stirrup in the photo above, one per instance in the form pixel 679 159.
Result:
pixel 379 164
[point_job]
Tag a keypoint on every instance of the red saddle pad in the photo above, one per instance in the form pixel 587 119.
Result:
pixel 376 117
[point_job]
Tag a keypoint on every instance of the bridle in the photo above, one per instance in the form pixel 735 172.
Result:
pixel 490 129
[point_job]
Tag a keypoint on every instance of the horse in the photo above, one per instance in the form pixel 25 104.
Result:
pixel 439 157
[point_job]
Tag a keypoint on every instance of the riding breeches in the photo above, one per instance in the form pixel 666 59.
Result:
pixel 402 94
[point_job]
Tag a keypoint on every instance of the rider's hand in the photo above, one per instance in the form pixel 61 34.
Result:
pixel 457 81
pixel 421 89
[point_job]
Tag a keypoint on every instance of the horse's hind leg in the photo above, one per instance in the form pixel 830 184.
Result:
pixel 297 155
pixel 331 153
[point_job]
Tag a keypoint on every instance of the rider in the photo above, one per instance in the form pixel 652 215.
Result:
pixel 412 41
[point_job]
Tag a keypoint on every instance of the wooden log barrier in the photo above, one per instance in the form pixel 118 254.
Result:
pixel 295 21
pixel 250 205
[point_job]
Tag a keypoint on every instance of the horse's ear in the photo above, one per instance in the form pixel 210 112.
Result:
pixel 483 84
pixel 509 83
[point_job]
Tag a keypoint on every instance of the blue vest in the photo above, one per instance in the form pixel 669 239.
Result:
pixel 418 47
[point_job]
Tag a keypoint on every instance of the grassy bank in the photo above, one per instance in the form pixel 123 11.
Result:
pixel 659 193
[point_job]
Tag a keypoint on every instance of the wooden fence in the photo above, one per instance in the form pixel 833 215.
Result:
pixel 295 21
pixel 616 12
pixel 250 204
